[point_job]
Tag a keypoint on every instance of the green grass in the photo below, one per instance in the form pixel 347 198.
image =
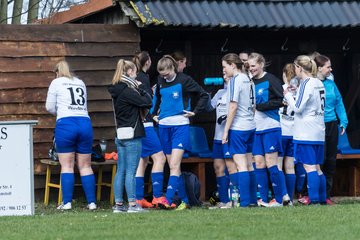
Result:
pixel 313 222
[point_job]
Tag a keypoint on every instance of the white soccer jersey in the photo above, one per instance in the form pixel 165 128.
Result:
pixel 309 126
pixel 241 90
pixel 67 98
pixel 219 101
pixel 287 119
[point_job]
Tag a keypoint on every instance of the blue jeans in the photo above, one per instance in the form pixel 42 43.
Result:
pixel 129 152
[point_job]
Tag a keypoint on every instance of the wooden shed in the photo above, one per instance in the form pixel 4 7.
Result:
pixel 28 54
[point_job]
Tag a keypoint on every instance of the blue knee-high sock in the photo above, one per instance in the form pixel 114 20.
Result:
pixel 157 183
pixel 67 186
pixel 172 187
pixel 322 188
pixel 244 188
pixel 182 190
pixel 300 177
pixel 283 183
pixel 313 186
pixel 275 176
pixel 139 183
pixel 234 179
pixel 262 183
pixel 290 184
pixel 253 196
pixel 223 186
pixel 88 184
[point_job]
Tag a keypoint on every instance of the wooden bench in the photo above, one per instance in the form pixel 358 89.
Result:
pixel 197 166
pixel 100 183
pixel 353 172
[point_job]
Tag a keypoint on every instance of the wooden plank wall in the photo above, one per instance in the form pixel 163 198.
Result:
pixel 28 54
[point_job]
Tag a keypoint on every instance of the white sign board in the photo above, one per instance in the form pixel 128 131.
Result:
pixel 16 168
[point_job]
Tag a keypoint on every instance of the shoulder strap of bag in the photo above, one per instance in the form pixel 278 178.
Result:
pixel 112 100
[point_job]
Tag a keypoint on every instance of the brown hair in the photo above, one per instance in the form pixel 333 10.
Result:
pixel 233 58
pixel 321 60
pixel 289 70
pixel 178 55
pixel 140 59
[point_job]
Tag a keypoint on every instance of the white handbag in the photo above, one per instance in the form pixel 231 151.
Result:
pixel 124 133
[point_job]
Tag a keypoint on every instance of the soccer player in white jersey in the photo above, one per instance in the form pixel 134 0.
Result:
pixel 309 126
pixel 221 154
pixel 240 127
pixel 67 99
pixel 286 158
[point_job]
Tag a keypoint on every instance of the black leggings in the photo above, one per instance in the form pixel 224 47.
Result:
pixel 330 150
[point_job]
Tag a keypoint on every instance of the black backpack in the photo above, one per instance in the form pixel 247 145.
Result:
pixel 192 187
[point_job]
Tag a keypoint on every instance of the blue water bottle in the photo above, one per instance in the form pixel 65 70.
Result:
pixel 213 81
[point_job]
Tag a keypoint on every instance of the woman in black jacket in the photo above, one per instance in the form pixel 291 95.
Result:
pixel 130 101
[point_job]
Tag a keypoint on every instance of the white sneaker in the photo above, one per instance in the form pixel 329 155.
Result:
pixel 286 200
pixel 136 209
pixel 225 205
pixel 261 203
pixel 92 206
pixel 63 206
pixel 274 203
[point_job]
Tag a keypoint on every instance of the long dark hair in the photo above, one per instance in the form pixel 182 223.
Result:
pixel 140 59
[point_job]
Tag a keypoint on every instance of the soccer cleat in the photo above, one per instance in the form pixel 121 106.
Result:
pixel 274 203
pixel 119 208
pixel 91 206
pixel 286 200
pixel 182 206
pixel 329 202
pixel 136 209
pixel 261 203
pixel 305 200
pixel 63 206
pixel 162 203
pixel 144 203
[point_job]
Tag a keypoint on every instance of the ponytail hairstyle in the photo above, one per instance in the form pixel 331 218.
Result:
pixel 167 62
pixel 289 70
pixel 62 69
pixel 140 59
pixel 235 59
pixel 307 64
pixel 121 70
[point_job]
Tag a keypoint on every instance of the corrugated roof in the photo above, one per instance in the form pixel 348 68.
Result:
pixel 247 14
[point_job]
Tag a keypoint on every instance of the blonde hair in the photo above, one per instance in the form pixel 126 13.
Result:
pixel 307 64
pixel 63 70
pixel 122 67
pixel 167 62
pixel 259 59
pixel 289 70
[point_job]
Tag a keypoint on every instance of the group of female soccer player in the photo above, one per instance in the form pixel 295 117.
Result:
pixel 268 127
pixel 262 126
